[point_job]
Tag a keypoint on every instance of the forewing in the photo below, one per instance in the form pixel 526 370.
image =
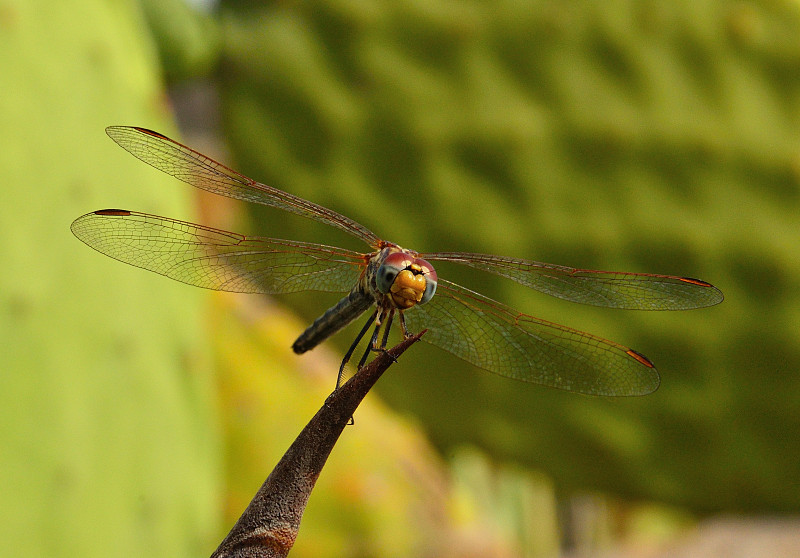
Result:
pixel 217 259
pixel 205 173
pixel 495 337
pixel 633 291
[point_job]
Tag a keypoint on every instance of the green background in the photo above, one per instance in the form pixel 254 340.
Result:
pixel 139 415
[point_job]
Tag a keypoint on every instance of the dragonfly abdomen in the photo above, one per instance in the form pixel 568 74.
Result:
pixel 345 311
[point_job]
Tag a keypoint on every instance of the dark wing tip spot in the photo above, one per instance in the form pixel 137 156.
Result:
pixel 641 358
pixel 113 212
pixel 149 132
pixel 698 282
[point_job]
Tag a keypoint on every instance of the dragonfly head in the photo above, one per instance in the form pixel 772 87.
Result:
pixel 406 280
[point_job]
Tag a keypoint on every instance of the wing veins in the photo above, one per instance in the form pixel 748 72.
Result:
pixel 641 291
pixel 203 172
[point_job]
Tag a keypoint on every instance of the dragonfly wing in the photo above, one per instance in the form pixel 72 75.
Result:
pixel 205 173
pixel 495 337
pixel 217 259
pixel 633 291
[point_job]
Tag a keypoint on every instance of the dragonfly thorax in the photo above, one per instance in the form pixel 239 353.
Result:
pixel 404 279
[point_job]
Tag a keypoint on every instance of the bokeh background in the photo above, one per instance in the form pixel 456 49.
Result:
pixel 139 415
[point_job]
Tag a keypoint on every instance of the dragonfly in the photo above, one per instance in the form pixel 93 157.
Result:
pixel 388 281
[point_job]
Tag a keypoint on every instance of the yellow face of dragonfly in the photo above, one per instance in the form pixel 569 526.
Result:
pixel 406 280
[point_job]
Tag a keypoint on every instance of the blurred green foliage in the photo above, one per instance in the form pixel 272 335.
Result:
pixel 110 444
pixel 642 136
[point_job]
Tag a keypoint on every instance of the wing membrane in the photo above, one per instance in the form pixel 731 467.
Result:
pixel 205 173
pixel 217 259
pixel 633 291
pixel 498 339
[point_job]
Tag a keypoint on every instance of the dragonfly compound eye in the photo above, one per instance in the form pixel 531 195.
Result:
pixel 430 289
pixel 385 277
pixel 431 279
pixel 391 266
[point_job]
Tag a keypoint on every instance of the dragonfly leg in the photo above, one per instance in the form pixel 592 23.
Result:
pixel 387 315
pixel 386 329
pixel 352 348
pixel 377 319
pixel 373 342
pixel 403 328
